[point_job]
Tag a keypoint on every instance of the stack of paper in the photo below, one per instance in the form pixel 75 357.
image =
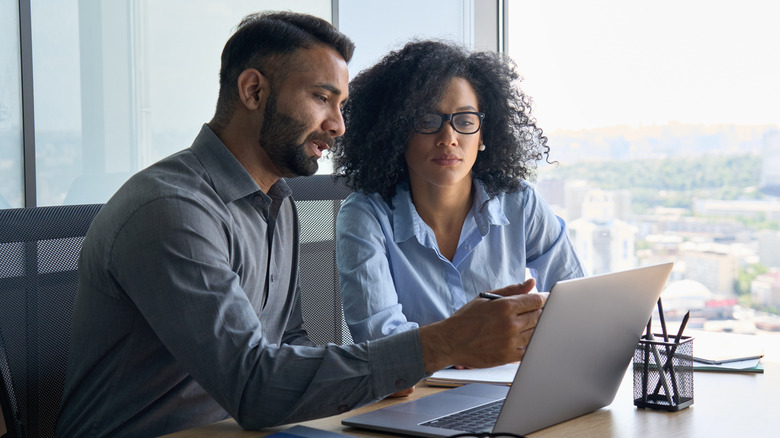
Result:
pixel 749 365
pixel 451 377
pixel 727 352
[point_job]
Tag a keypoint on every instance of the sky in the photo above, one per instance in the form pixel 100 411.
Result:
pixel 586 64
pixel 601 63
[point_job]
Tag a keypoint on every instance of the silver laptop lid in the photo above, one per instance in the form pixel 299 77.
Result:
pixel 581 347
pixel 575 361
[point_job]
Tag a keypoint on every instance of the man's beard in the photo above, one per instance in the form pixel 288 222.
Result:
pixel 279 137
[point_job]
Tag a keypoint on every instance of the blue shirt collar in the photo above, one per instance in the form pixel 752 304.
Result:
pixel 485 212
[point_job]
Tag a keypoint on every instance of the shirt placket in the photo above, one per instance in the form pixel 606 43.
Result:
pixel 454 277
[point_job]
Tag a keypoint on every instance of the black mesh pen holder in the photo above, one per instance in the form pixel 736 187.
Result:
pixel 663 373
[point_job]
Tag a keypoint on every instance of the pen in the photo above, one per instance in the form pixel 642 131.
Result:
pixel 670 359
pixel 669 354
pixel 721 362
pixel 682 327
pixel 669 366
pixel 662 375
pixel 663 320
pixel 646 359
pixel 489 295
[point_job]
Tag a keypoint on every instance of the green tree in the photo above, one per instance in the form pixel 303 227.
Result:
pixel 746 275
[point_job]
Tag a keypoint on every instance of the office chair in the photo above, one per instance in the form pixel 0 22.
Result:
pixel 39 249
pixel 318 199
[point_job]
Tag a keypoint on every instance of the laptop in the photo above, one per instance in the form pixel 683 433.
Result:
pixel 575 362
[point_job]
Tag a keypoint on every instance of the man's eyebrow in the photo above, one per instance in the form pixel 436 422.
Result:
pixel 329 87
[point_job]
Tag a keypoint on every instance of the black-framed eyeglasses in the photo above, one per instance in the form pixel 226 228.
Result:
pixel 467 122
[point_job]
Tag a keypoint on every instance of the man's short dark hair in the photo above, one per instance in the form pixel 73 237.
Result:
pixel 262 40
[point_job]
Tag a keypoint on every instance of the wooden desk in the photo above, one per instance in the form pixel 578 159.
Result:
pixel 724 405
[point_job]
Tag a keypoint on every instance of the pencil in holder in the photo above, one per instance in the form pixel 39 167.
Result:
pixel 663 373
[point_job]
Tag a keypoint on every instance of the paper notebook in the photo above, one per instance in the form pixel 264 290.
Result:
pixel 727 352
pixel 451 377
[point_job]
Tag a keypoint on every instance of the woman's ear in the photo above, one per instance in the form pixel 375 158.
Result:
pixel 252 88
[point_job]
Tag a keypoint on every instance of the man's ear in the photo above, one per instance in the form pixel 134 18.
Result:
pixel 253 88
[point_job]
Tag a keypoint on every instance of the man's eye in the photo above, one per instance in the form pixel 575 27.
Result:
pixel 321 98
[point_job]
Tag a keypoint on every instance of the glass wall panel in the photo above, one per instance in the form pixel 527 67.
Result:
pixel 55 43
pixel 663 119
pixel 183 64
pixel 11 150
pixel 121 84
pixel 378 27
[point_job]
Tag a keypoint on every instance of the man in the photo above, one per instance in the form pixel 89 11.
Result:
pixel 188 309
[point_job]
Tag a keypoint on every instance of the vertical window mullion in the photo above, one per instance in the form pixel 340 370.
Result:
pixel 503 26
pixel 28 114
pixel 334 13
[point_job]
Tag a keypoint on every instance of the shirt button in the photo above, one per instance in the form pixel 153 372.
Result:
pixel 343 408
pixel 400 383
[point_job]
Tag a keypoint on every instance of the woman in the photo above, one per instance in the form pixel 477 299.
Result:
pixel 438 145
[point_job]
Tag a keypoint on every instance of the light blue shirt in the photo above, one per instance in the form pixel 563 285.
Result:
pixel 394 278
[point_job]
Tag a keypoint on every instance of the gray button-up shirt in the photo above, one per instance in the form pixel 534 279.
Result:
pixel 188 311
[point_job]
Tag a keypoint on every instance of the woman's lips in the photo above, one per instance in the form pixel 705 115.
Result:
pixel 447 160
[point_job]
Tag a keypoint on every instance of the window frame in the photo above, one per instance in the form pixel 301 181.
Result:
pixel 490 23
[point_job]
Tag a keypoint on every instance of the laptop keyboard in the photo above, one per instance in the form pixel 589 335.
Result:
pixel 478 419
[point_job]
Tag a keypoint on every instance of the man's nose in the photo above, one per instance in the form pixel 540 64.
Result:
pixel 334 124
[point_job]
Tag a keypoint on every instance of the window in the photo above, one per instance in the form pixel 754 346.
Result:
pixel 120 85
pixel 666 112
pixel 378 27
pixel 11 152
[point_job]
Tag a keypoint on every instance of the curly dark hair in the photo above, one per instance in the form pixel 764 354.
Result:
pixel 385 98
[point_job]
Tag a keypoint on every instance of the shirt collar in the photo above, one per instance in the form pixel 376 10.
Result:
pixel 231 180
pixel 407 223
pixel 487 211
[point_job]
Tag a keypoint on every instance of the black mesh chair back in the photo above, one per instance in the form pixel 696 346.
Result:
pixel 318 199
pixel 39 249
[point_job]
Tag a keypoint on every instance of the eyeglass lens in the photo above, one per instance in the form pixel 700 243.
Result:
pixel 431 123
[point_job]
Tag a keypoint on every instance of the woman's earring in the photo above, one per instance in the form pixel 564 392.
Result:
pixel 482 147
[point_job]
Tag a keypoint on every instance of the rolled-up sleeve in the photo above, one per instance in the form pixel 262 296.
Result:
pixel 371 306
pixel 550 254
